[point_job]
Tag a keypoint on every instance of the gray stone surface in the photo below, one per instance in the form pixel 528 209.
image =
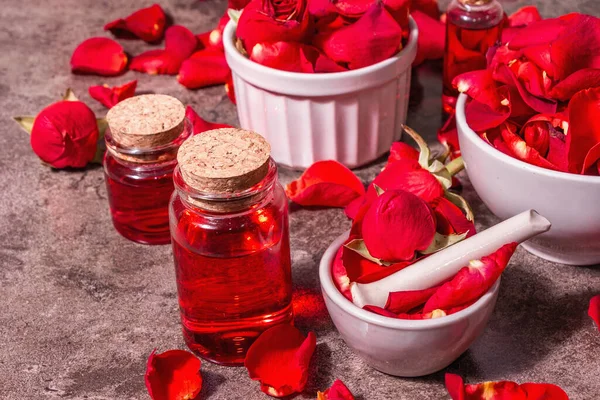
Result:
pixel 81 308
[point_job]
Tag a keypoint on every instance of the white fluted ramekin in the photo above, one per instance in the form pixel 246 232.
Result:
pixel 352 117
pixel 403 347
pixel 509 186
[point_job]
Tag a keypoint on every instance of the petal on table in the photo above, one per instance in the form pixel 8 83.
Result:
pixel 174 374
pixel 337 391
pixel 327 184
pixel 199 125
pixel 110 96
pixel 279 360
pixel 204 68
pixel 147 24
pixel 100 56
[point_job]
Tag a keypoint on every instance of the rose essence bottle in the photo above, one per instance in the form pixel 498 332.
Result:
pixel 142 139
pixel 472 26
pixel 229 227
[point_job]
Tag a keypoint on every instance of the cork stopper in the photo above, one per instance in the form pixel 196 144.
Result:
pixel 475 2
pixel 146 121
pixel 223 161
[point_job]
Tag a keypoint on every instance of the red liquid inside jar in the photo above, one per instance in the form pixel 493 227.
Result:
pixel 233 272
pixel 139 195
pixel 470 32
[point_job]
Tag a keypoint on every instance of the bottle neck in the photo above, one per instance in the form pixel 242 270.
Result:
pixel 475 14
pixel 227 203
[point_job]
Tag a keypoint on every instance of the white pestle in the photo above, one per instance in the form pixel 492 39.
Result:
pixel 444 264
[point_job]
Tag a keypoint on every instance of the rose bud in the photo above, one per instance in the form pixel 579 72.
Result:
pixel 273 21
pixel 64 134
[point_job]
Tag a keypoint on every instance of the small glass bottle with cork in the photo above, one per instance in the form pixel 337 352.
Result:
pixel 142 139
pixel 472 27
pixel 230 235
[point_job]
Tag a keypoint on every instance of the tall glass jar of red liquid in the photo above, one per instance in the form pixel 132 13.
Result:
pixel 142 139
pixel 229 227
pixel 472 26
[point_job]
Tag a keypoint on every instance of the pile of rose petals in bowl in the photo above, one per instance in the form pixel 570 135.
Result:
pixel 320 36
pixel 539 97
pixel 406 214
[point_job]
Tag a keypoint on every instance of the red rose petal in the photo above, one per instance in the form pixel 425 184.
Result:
pixel 398 9
pixel 361 270
pixel 180 43
pixel 401 151
pixel 229 89
pixel 380 311
pixel 397 225
pixel 64 134
pixel 237 4
pixel 279 360
pixel 147 24
pixel 110 96
pixel 285 56
pixel 375 37
pixel 520 150
pixel 403 302
pixel 204 68
pixel 429 7
pixel 337 391
pixel 557 152
pixel 584 129
pixel 481 86
pixel 340 275
pixel 481 117
pixel 539 104
pixel 174 374
pixel 508 390
pixel 524 16
pixel 199 125
pixel 327 184
pixel 100 56
pixel 454 217
pixel 430 45
pixel 471 282
pixel 409 176
pixel 447 135
pixel 594 310
pixel 582 79
pixel 271 21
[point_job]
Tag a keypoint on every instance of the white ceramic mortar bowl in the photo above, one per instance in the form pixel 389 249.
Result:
pixel 352 117
pixel 509 186
pixel 399 347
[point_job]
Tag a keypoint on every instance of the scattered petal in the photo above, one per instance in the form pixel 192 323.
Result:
pixel 337 391
pixel 180 43
pixel 279 360
pixel 110 96
pixel 199 125
pixel 173 375
pixel 147 24
pixel 100 56
pixel 471 282
pixel 327 184
pixel 594 310
pixel 204 68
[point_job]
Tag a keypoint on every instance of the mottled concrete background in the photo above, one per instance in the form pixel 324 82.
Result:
pixel 81 308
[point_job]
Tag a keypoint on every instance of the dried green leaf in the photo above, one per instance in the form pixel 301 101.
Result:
pixel 26 122
pixel 440 242
pixel 70 95
pixel 358 246
pixel 234 15
pixel 424 151
pixel 101 144
pixel 439 170
pixel 378 190
pixel 461 203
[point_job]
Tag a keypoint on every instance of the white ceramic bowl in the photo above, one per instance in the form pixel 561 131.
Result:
pixel 403 347
pixel 509 186
pixel 352 117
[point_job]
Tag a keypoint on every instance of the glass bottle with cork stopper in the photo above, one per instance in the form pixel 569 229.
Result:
pixel 472 27
pixel 230 236
pixel 142 139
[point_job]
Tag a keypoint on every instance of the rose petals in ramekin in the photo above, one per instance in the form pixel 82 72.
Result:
pixel 110 96
pixel 204 68
pixel 100 56
pixel 174 374
pixel 325 183
pixel 584 130
pixel 279 360
pixel 147 24
pixel 471 282
pixel 403 302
